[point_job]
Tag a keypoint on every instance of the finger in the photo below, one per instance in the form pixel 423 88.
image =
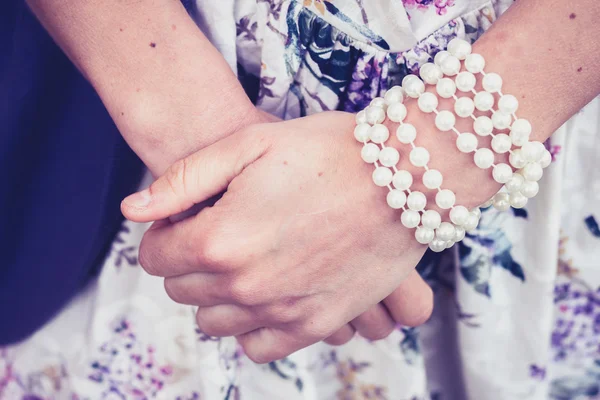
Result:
pixel 341 336
pixel 411 303
pixel 375 323
pixel 170 250
pixel 191 245
pixel 195 178
pixel 226 320
pixel 196 289
pixel 268 344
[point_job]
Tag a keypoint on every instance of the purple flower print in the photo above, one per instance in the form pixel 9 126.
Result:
pixel 441 6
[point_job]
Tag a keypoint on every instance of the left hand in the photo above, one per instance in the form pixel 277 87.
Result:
pixel 301 242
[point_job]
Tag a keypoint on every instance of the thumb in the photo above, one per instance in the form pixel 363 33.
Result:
pixel 195 178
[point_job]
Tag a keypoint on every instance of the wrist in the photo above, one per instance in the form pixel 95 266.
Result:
pixel 472 186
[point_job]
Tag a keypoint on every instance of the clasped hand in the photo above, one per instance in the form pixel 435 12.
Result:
pixel 300 243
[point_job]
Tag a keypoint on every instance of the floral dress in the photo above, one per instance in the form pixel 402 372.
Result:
pixel 517 303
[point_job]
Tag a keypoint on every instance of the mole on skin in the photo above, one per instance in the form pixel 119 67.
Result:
pixel 152 44
pixel 579 69
pixel 572 16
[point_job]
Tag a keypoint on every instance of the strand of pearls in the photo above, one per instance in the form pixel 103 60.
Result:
pixel 527 157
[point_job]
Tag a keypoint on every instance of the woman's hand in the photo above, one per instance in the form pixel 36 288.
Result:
pixel 301 242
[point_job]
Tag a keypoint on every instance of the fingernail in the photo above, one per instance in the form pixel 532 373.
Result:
pixel 139 199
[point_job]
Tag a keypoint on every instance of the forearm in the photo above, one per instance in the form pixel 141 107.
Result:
pixel 167 88
pixel 547 53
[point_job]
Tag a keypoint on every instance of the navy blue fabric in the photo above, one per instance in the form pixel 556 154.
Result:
pixel 63 170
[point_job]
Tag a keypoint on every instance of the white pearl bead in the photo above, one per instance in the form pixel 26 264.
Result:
pixel 413 86
pixel 445 120
pixel 520 131
pixel 476 211
pixel 501 143
pixel 459 48
pixel 465 81
pixel 379 133
pixel 502 173
pixel 424 235
pixel 516 159
pixel 361 132
pixel 396 112
pixel 394 95
pixel 378 102
pixel 464 107
pixel 370 153
pixel 440 57
pixel 361 117
pixel 445 231
pixel 459 234
pixel 419 156
pixel 406 133
pixel 431 219
pixel 382 176
pixel 431 73
pixel 530 189
pixel 428 102
pixel 492 82
pixel 515 183
pixel 437 245
pixel 517 200
pixel 416 201
pixel 546 159
pixel 450 66
pixel 466 142
pixel 445 199
pixel 389 156
pixel 445 88
pixel 472 222
pixel 459 215
pixel 484 158
pixel 484 101
pixel 432 179
pixel 396 198
pixel 533 172
pixel 375 115
pixel 402 180
pixel 501 202
pixel 533 151
pixel 501 120
pixel 474 63
pixel 410 218
pixel 508 104
pixel 483 126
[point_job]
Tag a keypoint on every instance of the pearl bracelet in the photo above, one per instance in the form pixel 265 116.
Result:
pixel 527 157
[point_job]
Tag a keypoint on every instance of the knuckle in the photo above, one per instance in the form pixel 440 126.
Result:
pixel 285 312
pixel 318 328
pixel 214 250
pixel 245 291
